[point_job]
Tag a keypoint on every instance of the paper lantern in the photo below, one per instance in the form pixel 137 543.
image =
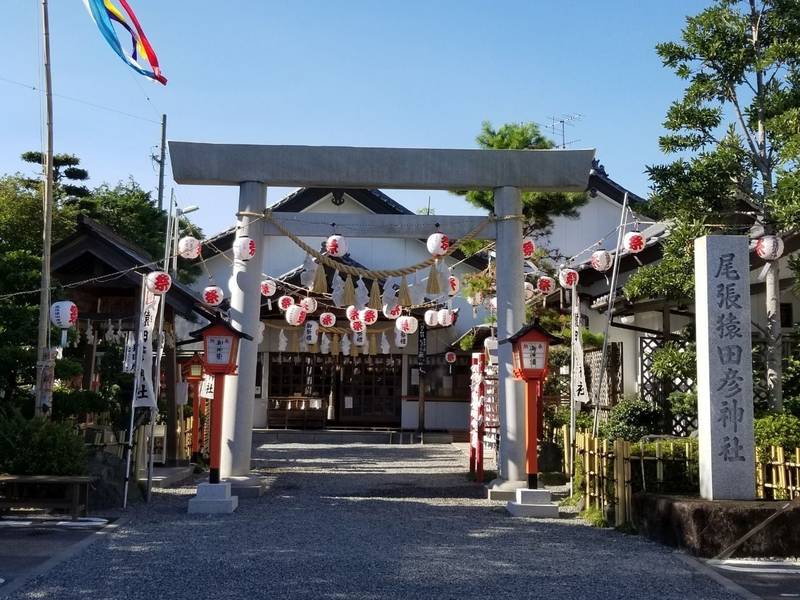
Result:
pixel 406 324
pixel 158 282
pixel 336 245
pixel 351 313
pixel 769 247
pixel 602 260
pixel 450 357
pixel 529 289
pixel 327 319
pixel 295 315
pixel 444 317
pixel 438 243
pixel 284 302
pixel 359 338
pixel 189 247
pixel 634 242
pixel 368 315
pixel 545 284
pixel 311 332
pixel 493 303
pixel 64 314
pixel 268 288
pixel 393 311
pixel 431 318
pixel 400 339
pixel 244 248
pixel 528 247
pixel 213 295
pixel 357 325
pixel 309 304
pixel 568 278
pixel 453 285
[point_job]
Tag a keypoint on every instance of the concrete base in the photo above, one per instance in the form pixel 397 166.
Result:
pixel 213 499
pixel 503 490
pixel 164 477
pixel 533 503
pixel 247 487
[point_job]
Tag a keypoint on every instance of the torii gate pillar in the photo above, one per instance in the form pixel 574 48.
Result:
pixel 240 389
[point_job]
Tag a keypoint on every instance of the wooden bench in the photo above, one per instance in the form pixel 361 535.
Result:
pixel 19 491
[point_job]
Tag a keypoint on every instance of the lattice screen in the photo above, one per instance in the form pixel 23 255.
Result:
pixel 657 391
pixel 611 392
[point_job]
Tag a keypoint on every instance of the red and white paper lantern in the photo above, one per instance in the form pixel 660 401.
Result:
pixel 284 302
pixel 392 311
pixel 528 247
pixel 327 319
pixel 158 282
pixel 438 243
pixel 568 278
pixel 309 304
pixel 244 248
pixel 295 315
pixel 336 245
pixel 368 315
pixel 769 247
pixel 406 324
pixel 545 284
pixel 431 318
pixel 634 242
pixel 64 314
pixel 529 289
pixel 351 312
pixel 493 303
pixel 213 295
pixel 189 247
pixel 357 325
pixel 444 317
pixel 453 285
pixel 450 357
pixel 602 260
pixel 268 288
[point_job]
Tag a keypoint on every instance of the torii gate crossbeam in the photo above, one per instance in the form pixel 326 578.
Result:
pixel 254 167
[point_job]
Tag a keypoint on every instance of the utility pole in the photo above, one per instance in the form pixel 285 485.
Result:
pixel 161 161
pixel 44 364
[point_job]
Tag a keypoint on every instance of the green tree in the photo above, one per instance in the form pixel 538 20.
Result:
pixel 66 174
pixel 539 208
pixel 735 131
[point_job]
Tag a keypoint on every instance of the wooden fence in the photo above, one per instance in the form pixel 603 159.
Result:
pixel 608 473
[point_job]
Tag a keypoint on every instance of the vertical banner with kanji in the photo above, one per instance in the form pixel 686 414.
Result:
pixel 144 395
pixel 724 368
pixel 580 393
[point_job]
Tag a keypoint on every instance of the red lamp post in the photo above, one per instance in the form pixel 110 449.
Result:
pixel 194 375
pixel 531 346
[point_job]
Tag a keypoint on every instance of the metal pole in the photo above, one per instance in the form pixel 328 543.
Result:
pixel 612 293
pixel 136 382
pixel 161 162
pixel 43 391
pixel 572 420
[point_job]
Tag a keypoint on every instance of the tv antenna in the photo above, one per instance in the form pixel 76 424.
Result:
pixel 558 126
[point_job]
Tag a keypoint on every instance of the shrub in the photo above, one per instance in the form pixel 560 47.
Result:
pixel 671 361
pixel 39 447
pixel 76 403
pixel 684 404
pixel 631 419
pixel 782 429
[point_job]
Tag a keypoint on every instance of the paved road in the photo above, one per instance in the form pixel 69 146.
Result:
pixel 770 580
pixel 372 522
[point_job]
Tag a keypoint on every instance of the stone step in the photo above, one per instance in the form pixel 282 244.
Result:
pixel 537 511
pixel 529 496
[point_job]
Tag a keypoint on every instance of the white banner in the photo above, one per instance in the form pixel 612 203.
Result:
pixel 144 394
pixel 129 358
pixel 207 387
pixel 580 393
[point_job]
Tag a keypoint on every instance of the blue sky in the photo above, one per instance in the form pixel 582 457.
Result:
pixel 365 73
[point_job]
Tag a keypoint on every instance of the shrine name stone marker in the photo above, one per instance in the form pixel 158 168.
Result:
pixel 724 368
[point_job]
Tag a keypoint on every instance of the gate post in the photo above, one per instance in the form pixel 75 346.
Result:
pixel 240 389
pixel 510 319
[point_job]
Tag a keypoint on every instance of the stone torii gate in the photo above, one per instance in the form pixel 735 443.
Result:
pixel 254 167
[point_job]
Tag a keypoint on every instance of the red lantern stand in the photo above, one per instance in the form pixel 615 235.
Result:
pixel 221 343
pixel 477 415
pixel 194 375
pixel 531 346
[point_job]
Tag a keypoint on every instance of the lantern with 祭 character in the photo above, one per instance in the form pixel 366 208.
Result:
pixel 602 260
pixel 244 248
pixel 189 247
pixel 392 311
pixel 295 315
pixel 634 242
pixel 336 245
pixel 213 295
pixel 545 284
pixel 327 319
pixel 309 304
pixel 158 282
pixel 351 312
pixel 528 247
pixel 284 302
pixel 368 315
pixel 568 278
pixel 769 247
pixel 450 358
pixel 438 244
pixel 453 285
pixel 64 315
pixel 406 324
pixel 268 288
pixel 357 326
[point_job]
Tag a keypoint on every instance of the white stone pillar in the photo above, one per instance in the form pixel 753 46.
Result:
pixel 510 318
pixel 237 413
pixel 724 368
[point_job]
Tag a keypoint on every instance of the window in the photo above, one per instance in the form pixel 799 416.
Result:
pixel 787 318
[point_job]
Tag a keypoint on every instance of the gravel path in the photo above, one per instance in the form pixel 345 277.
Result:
pixel 375 522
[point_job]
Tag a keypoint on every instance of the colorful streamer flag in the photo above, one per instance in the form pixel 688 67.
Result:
pixel 104 13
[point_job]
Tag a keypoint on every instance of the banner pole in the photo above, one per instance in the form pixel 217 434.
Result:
pixel 136 382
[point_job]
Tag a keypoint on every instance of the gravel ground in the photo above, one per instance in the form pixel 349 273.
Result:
pixel 376 522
